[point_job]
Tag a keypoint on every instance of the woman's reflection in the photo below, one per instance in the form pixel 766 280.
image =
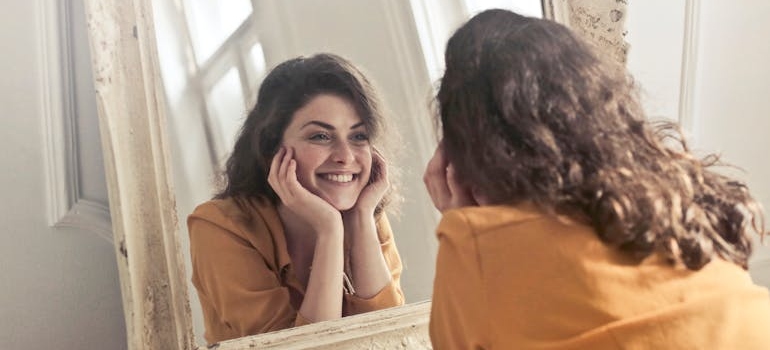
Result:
pixel 298 234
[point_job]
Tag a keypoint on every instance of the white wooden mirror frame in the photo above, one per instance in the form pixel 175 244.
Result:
pixel 132 124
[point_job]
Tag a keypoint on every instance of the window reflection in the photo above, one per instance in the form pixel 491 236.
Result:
pixel 212 22
pixel 226 110
pixel 532 8
pixel 258 59
pixel 211 62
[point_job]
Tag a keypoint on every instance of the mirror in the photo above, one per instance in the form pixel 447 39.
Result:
pixel 212 65
pixel 213 56
pixel 139 156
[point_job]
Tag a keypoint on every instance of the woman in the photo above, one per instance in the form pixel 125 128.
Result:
pixel 299 234
pixel 569 222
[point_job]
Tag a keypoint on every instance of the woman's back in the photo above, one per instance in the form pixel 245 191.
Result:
pixel 530 113
pixel 516 278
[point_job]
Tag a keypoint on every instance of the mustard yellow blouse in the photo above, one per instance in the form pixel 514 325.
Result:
pixel 243 274
pixel 512 278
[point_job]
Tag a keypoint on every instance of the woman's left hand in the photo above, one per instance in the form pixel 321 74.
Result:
pixel 369 271
pixel 378 185
pixel 443 186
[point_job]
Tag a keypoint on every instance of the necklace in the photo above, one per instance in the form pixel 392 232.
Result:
pixel 347 285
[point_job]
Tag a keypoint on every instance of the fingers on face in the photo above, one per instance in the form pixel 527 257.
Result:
pixel 272 176
pixel 443 183
pixel 478 197
pixel 379 167
pixel 458 192
pixel 285 160
pixel 435 179
pixel 436 169
pixel 453 181
pixel 283 172
pixel 430 170
pixel 289 172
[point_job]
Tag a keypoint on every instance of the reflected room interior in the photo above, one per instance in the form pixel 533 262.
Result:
pixel 213 56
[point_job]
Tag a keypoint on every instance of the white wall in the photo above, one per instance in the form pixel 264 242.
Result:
pixel 728 94
pixel 732 99
pixel 656 35
pixel 59 286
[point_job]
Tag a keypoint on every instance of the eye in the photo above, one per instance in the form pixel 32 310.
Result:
pixel 360 137
pixel 320 137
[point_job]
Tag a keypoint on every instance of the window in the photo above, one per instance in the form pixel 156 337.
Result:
pixel 532 8
pixel 211 61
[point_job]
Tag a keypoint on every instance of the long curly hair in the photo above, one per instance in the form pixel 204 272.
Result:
pixel 287 88
pixel 529 112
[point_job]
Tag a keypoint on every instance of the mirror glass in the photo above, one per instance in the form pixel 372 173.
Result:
pixel 213 55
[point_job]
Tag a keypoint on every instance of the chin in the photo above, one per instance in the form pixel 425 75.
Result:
pixel 341 204
pixel 340 199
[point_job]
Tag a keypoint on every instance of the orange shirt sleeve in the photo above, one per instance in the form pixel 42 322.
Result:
pixel 458 309
pixel 391 295
pixel 240 294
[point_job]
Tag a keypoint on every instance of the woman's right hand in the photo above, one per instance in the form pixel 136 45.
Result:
pixel 443 186
pixel 323 293
pixel 283 179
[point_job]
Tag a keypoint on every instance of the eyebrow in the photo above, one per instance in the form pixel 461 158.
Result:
pixel 328 126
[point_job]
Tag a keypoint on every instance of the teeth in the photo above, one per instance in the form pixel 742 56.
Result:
pixel 339 178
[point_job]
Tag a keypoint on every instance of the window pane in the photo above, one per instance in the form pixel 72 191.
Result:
pixel 258 59
pixel 226 110
pixel 532 8
pixel 211 22
pixel 171 46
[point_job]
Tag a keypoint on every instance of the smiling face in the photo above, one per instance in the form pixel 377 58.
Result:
pixel 331 148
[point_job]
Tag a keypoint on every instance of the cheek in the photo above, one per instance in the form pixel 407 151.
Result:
pixel 308 159
pixel 365 158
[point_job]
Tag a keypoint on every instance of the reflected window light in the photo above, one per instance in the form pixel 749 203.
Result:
pixel 532 8
pixel 171 53
pixel 226 111
pixel 258 59
pixel 212 22
pixel 436 22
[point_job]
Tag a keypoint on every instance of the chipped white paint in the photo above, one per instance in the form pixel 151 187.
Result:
pixel 404 327
pixel 135 156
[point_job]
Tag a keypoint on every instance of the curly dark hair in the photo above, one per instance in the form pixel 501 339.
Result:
pixel 287 88
pixel 534 114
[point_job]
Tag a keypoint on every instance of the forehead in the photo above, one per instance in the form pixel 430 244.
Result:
pixel 329 109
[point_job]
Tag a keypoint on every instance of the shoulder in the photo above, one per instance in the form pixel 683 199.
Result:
pixel 232 208
pixel 522 228
pixel 241 225
pixel 221 212
pixel 239 216
pixel 479 220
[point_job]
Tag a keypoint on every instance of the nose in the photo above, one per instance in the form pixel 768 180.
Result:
pixel 342 153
